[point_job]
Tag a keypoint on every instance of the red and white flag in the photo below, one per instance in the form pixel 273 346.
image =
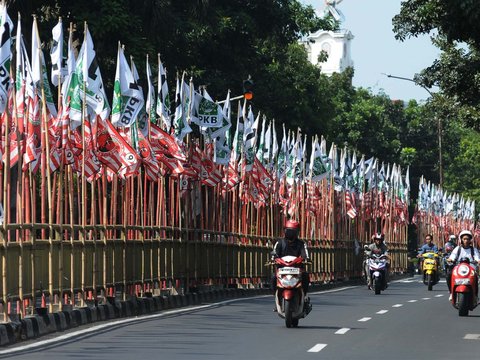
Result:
pixel 113 151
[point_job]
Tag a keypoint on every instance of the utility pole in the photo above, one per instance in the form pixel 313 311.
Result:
pixel 439 127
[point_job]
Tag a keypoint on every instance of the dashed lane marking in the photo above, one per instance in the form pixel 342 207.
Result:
pixel 382 312
pixel 425 298
pixel 397 305
pixel 317 348
pixel 472 336
pixel 412 301
pixel 342 331
pixel 364 319
pixel 439 295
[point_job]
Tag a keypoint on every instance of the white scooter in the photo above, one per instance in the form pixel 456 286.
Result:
pixel 377 267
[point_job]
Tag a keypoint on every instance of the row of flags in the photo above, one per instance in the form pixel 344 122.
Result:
pixel 444 210
pixel 146 134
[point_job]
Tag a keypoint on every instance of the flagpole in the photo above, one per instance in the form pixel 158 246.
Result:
pixel 19 195
pixel 83 203
pixel 45 168
pixel 61 199
pixel 6 217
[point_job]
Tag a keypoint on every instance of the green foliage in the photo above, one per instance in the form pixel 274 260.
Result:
pixel 220 43
pixel 408 155
pixel 462 176
pixel 454 28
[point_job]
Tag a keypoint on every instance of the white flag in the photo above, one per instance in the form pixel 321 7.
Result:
pixel 59 70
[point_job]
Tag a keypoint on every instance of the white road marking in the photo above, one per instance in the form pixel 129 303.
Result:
pixel 397 305
pixel 408 281
pixel 382 312
pixel 472 336
pixel 333 290
pixel 365 319
pixel 439 295
pixel 412 301
pixel 425 298
pixel 342 331
pixel 317 348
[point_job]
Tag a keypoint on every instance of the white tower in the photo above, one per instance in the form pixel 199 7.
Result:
pixel 335 43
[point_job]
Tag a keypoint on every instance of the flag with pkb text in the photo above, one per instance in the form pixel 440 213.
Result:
pixel 127 95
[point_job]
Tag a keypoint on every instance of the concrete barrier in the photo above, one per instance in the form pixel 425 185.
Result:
pixel 158 303
pixel 7 334
pixel 27 329
pixel 78 317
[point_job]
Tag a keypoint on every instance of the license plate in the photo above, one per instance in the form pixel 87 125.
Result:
pixel 462 281
pixel 289 271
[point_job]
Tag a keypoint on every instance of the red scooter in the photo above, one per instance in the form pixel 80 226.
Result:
pixel 289 295
pixel 464 285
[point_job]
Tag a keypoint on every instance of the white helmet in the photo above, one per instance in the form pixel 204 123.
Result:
pixel 465 232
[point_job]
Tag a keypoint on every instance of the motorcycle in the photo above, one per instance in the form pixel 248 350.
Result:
pixel 430 269
pixel 377 266
pixel 446 267
pixel 464 286
pixel 289 295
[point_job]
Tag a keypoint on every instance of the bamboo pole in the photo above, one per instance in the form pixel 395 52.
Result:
pixel 6 216
pixel 83 201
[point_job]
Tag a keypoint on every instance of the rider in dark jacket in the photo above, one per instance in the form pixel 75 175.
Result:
pixel 293 246
pixel 377 247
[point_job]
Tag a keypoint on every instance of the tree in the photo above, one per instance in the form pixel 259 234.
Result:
pixel 454 29
pixel 219 43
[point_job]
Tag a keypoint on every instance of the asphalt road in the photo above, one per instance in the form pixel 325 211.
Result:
pixel 405 322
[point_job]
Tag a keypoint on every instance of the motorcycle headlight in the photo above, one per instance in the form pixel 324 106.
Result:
pixel 288 280
pixel 463 270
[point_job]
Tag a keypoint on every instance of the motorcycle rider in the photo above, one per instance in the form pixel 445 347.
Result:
pixel 429 246
pixel 452 242
pixel 377 247
pixel 449 246
pixel 464 250
pixel 293 246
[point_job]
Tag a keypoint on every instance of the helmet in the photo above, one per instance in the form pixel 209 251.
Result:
pixel 465 232
pixel 292 228
pixel 378 236
pixel 449 247
pixel 292 224
pixel 452 238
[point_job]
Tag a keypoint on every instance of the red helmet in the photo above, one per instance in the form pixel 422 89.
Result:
pixel 292 224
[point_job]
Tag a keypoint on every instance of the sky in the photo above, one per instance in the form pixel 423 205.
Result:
pixel 375 51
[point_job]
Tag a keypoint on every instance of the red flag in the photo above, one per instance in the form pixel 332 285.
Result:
pixel 152 167
pixel 350 204
pixel 33 148
pixel 164 143
pixel 113 151
pixel 210 175
pixel 232 178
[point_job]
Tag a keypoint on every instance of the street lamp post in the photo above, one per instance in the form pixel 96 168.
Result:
pixel 439 126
